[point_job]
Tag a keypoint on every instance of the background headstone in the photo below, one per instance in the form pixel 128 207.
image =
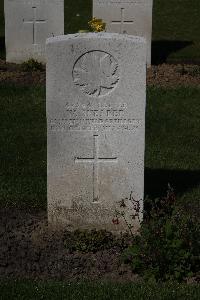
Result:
pixel 133 17
pixel 28 23
pixel 96 94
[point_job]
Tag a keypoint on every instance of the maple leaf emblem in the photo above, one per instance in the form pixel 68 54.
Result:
pixel 96 73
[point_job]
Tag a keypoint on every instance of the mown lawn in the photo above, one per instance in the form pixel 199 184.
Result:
pixel 172 144
pixel 23 147
pixel 176 30
pixel 2 26
pixel 28 290
pixel 175 27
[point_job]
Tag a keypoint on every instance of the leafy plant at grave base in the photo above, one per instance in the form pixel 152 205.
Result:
pixel 169 242
pixel 97 25
pixel 135 215
pixel 32 65
pixel 92 241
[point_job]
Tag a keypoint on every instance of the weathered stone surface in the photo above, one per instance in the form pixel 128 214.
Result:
pixel 133 17
pixel 96 126
pixel 28 23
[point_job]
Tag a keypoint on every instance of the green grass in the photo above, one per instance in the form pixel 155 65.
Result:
pixel 2 18
pixel 175 27
pixel 22 290
pixel 2 26
pixel 23 146
pixel 77 15
pixel 172 144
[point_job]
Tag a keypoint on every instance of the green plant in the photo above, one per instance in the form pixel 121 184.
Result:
pixel 136 213
pixel 32 65
pixel 168 245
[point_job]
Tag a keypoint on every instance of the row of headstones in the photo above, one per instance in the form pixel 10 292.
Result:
pixel 28 23
pixel 96 94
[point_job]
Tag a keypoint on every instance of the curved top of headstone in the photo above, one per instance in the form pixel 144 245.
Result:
pixel 93 36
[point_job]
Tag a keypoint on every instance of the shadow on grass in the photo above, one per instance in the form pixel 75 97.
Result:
pixel 2 48
pixel 156 181
pixel 163 48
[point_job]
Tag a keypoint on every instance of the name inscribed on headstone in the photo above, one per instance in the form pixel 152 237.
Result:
pixel 94 117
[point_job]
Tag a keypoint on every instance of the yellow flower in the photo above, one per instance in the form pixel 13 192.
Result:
pixel 97 25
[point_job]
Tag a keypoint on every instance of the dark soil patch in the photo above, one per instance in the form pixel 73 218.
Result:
pixel 28 249
pixel 15 74
pixel 166 75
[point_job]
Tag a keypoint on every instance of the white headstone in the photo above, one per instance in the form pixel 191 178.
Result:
pixel 96 127
pixel 28 23
pixel 133 17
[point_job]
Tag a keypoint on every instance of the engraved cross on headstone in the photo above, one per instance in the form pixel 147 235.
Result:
pixel 34 22
pixel 122 22
pixel 95 160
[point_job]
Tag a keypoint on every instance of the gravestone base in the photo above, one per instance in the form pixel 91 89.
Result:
pixel 75 218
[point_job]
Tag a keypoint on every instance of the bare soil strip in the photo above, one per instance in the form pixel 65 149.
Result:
pixel 165 75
